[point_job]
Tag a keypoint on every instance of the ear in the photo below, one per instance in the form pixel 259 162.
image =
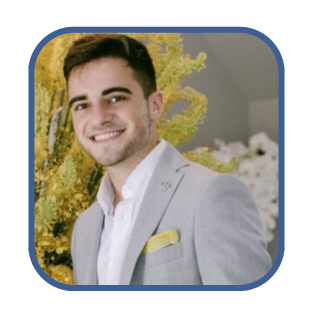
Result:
pixel 155 101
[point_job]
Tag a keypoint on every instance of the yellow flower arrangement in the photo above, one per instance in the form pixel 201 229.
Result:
pixel 66 178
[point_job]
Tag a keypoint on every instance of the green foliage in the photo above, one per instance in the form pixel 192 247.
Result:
pixel 45 212
pixel 68 172
pixel 206 158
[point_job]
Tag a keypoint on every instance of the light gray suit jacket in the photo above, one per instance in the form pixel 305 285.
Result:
pixel 221 240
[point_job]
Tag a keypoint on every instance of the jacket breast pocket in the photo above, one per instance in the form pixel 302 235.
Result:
pixel 161 256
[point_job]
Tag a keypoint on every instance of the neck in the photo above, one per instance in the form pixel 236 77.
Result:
pixel 120 172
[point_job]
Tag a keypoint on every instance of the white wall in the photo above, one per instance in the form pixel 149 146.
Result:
pixel 263 116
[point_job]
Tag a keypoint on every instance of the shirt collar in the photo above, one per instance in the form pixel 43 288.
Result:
pixel 105 195
pixel 136 182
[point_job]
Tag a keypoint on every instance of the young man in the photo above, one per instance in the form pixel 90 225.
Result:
pixel 158 218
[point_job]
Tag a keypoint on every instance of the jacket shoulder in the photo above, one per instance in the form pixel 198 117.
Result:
pixel 197 173
pixel 229 234
pixel 90 214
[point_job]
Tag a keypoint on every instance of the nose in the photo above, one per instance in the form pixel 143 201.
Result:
pixel 100 115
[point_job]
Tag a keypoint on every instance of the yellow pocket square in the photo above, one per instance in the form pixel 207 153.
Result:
pixel 161 240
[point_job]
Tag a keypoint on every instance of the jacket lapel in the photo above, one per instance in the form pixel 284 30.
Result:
pixel 159 193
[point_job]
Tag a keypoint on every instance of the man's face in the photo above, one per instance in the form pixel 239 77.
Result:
pixel 112 119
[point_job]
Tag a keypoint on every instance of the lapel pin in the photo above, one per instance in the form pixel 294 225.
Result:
pixel 166 186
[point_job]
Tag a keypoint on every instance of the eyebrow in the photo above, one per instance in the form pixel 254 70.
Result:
pixel 103 93
pixel 77 98
pixel 116 89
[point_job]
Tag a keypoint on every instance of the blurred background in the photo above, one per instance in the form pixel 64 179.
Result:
pixel 241 83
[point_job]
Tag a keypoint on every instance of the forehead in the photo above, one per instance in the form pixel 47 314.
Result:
pixel 98 75
pixel 101 68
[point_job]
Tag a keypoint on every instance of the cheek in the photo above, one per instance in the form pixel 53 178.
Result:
pixel 78 125
pixel 129 117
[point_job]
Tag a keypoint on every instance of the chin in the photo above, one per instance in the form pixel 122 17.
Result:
pixel 109 161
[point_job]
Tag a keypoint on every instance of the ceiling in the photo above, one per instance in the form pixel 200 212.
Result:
pixel 249 61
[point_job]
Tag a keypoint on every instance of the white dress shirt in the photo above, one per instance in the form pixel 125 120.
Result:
pixel 119 224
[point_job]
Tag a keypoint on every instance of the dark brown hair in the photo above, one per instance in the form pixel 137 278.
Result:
pixel 95 46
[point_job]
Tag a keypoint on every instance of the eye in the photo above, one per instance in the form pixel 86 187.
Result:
pixel 115 99
pixel 80 106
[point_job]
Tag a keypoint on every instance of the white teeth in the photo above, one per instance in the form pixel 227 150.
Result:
pixel 107 136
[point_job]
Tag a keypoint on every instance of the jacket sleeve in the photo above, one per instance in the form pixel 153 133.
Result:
pixel 230 244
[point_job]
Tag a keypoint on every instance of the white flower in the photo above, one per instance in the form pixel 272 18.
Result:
pixel 238 149
pixel 259 142
pixel 247 167
pixel 262 144
pixel 225 152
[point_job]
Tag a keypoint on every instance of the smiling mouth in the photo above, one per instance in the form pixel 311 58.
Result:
pixel 107 136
